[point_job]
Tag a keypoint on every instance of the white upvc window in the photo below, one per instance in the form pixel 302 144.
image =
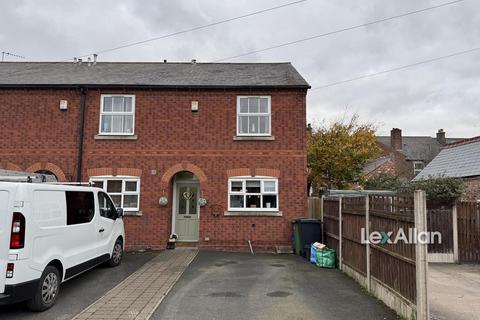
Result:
pixel 117 114
pixel 252 194
pixel 418 166
pixel 254 116
pixel 124 190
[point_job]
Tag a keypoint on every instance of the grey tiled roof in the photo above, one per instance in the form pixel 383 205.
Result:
pixel 417 147
pixel 462 160
pixel 375 164
pixel 151 74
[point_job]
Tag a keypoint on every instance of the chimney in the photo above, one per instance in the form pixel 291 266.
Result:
pixel 194 61
pixel 95 58
pixel 396 139
pixel 441 137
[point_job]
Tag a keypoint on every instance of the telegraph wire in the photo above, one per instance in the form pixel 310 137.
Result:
pixel 194 28
pixel 339 31
pixel 396 68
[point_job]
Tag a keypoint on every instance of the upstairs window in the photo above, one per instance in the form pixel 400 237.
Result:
pixel 117 114
pixel 253 116
pixel 124 191
pixel 417 167
pixel 252 194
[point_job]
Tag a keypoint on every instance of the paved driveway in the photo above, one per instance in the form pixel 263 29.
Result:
pixel 233 286
pixel 80 292
pixel 454 291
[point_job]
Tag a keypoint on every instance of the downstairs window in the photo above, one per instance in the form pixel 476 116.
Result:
pixel 124 191
pixel 252 194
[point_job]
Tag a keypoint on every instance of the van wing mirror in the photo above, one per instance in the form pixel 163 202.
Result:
pixel 119 212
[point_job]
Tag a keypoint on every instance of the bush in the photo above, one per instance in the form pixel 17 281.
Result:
pixel 439 190
pixel 385 181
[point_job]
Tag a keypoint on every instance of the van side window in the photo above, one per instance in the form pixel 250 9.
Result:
pixel 107 209
pixel 80 207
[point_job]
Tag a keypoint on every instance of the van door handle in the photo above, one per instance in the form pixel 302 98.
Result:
pixel 101 230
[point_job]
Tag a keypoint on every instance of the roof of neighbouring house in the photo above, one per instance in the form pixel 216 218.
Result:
pixel 420 148
pixel 461 159
pixel 375 164
pixel 154 74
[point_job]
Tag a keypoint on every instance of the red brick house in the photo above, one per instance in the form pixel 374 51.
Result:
pixel 233 134
pixel 406 156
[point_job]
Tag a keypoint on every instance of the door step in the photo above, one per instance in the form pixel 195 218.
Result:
pixel 186 244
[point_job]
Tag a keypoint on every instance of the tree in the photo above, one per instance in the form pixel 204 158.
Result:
pixel 338 153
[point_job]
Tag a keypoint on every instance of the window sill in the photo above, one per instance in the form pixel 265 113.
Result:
pixel 115 137
pixel 261 138
pixel 253 213
pixel 133 213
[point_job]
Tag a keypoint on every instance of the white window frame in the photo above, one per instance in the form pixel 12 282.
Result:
pixel 417 171
pixel 115 113
pixel 123 193
pixel 244 180
pixel 269 113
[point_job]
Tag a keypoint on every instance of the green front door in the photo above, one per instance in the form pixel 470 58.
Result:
pixel 186 215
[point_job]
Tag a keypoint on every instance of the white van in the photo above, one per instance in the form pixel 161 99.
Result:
pixel 49 233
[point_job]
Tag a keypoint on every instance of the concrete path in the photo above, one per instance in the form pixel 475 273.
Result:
pixel 238 286
pixel 454 291
pixel 140 294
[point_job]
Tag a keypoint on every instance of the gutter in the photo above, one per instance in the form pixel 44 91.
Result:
pixel 175 87
pixel 81 131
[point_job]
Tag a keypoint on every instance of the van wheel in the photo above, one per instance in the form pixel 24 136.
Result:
pixel 47 290
pixel 117 254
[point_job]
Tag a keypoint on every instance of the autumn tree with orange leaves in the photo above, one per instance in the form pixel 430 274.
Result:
pixel 337 153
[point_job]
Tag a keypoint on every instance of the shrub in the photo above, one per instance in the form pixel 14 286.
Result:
pixel 439 190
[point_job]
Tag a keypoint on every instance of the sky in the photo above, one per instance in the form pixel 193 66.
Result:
pixel 420 100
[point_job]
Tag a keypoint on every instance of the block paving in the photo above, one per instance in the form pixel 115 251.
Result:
pixel 138 296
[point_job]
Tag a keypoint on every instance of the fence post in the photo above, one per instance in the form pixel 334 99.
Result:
pixel 340 264
pixel 455 233
pixel 321 207
pixel 421 263
pixel 367 245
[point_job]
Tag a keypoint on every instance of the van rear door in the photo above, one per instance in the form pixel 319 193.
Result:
pixel 5 225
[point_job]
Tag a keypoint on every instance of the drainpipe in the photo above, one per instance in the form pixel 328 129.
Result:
pixel 81 129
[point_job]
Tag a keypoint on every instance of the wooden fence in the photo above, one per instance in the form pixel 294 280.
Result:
pixel 468 215
pixel 388 270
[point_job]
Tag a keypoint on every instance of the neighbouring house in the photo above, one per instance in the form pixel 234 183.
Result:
pixel 162 137
pixel 458 160
pixel 406 156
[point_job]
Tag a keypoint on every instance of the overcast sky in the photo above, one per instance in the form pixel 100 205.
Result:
pixel 420 100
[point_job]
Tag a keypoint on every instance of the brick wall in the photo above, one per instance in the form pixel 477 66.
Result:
pixel 35 134
pixel 472 192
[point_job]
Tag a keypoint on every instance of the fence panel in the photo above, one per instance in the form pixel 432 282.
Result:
pixel 314 208
pixel 353 251
pixel 394 264
pixel 391 264
pixel 468 217
pixel 330 222
pixel 440 220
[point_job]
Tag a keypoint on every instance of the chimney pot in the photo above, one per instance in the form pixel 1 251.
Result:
pixel 396 139
pixel 194 61
pixel 441 137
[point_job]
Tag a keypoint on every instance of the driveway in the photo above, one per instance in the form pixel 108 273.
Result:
pixel 454 291
pixel 220 285
pixel 80 292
